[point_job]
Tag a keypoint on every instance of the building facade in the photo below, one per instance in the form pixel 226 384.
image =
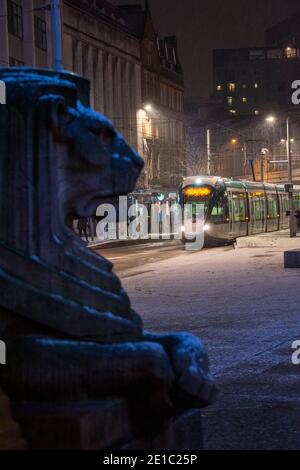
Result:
pixel 285 34
pixel 161 120
pixel 128 68
pixel 250 82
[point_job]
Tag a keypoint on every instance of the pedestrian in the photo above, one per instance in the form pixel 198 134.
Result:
pixel 82 227
pixel 297 215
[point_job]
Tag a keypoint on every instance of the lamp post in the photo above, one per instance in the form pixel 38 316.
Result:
pixel 57 58
pixel 245 148
pixel 264 152
pixel 292 218
pixel 208 153
pixel 288 151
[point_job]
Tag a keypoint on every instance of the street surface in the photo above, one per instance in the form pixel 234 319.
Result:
pixel 245 306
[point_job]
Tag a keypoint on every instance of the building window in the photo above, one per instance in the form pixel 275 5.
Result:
pixel 231 86
pixel 229 100
pixel 244 86
pixel 15 62
pixel 244 99
pixel 15 19
pixel 219 88
pixel 40 31
pixel 291 53
pixel 255 85
pixel 149 60
pixel 257 54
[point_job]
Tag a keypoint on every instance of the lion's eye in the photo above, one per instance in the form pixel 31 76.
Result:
pixel 106 135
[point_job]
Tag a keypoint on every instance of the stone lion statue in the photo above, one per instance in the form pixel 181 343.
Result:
pixel 66 320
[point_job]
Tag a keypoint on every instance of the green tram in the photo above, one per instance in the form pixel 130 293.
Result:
pixel 237 208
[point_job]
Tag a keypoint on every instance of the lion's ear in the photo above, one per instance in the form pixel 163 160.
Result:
pixel 57 115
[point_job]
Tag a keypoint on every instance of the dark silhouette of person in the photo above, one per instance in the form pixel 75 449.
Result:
pixel 82 228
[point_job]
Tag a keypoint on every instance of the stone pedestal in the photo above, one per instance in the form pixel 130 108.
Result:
pixel 292 259
pixel 10 435
pixel 69 330
pixel 106 424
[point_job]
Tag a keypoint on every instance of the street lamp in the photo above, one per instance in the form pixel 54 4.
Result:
pixel 264 152
pixel 148 107
pixel 57 55
pixel 272 119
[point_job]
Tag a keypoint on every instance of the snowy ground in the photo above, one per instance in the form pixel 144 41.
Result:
pixel 245 306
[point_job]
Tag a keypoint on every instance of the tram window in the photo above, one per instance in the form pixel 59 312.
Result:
pixel 220 211
pixel 272 206
pixel 284 204
pixel 297 201
pixel 257 205
pixel 196 196
pixel 238 207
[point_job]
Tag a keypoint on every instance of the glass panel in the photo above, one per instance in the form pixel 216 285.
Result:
pixel 220 211
pixel 257 211
pixel 272 206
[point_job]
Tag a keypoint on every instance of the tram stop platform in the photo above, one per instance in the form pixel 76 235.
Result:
pixel 278 240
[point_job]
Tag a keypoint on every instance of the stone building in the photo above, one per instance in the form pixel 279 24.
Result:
pixel 161 120
pixel 96 44
pixel 136 80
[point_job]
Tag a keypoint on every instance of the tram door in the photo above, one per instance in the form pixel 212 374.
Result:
pixel 272 212
pixel 284 207
pixel 257 206
pixel 238 213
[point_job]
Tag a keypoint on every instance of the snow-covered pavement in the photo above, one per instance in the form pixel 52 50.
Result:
pixel 246 307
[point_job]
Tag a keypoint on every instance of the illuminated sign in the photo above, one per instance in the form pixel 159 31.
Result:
pixel 197 192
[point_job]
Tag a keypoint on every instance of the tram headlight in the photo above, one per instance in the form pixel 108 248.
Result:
pixel 206 228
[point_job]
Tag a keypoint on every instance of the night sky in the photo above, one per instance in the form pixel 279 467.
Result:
pixel 204 25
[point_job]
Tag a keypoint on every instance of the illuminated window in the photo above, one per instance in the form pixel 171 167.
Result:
pixel 231 86
pixel 219 88
pixel 197 192
pixel 229 100
pixel 244 86
pixel 291 53
pixel 244 99
pixel 255 85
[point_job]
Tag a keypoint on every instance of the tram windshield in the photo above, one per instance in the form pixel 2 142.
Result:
pixel 198 195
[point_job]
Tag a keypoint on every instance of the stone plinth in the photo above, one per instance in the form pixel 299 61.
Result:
pixel 10 435
pixel 106 424
pixel 292 259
